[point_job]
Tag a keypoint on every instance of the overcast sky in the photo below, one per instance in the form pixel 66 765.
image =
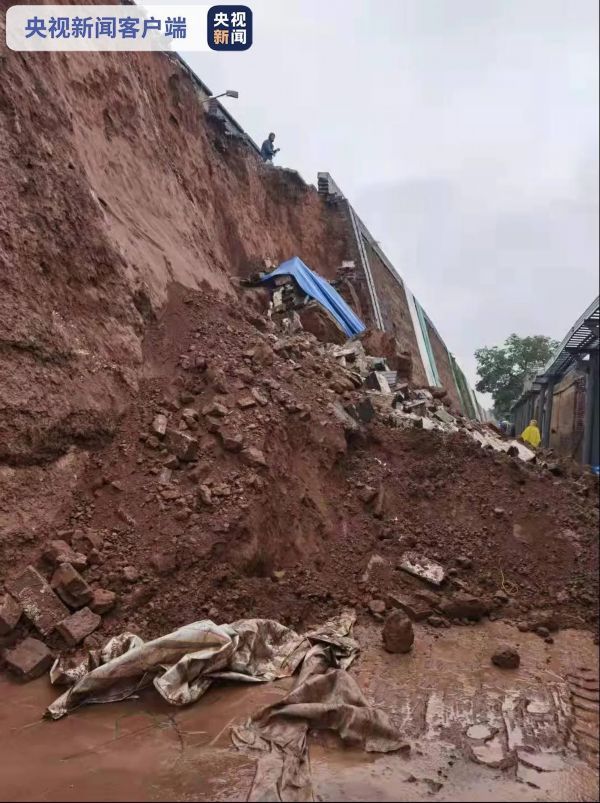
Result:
pixel 464 132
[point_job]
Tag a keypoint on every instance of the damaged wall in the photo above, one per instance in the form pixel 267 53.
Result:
pixel 115 184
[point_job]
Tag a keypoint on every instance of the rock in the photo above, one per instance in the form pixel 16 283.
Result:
pixel 102 601
pixel 556 469
pixel 367 494
pixel 29 659
pixel 57 552
pixel 159 425
pixel 506 658
pixel 422 567
pixel 260 398
pixel 346 420
pixel 164 562
pixel 246 401
pixel 542 631
pixel 70 586
pixel 397 633
pixel 253 456
pixel 378 568
pixel 547 619
pixel 464 606
pixel 376 605
pixel 190 416
pixel 204 495
pixel 232 440
pixel 164 478
pixel 435 621
pixel 263 354
pixel 172 462
pixel 39 602
pixel 464 562
pixel 523 627
pixel 499 511
pixel 416 609
pixel 278 574
pixel 379 504
pixel 363 410
pixel 501 598
pixel 131 574
pixel 79 625
pixel 182 445
pixel 85 541
pixel 215 409
pixel 10 613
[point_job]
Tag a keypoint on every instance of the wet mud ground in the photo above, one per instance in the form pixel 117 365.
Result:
pixel 477 732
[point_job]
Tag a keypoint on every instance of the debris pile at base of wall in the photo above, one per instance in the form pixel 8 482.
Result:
pixel 267 474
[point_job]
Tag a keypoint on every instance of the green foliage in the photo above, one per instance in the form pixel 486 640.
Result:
pixel 503 369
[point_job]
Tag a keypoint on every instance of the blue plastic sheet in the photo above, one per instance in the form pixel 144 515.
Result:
pixel 318 288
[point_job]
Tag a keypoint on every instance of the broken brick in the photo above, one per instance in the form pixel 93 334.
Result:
pixel 10 613
pixel 253 456
pixel 39 602
pixel 102 600
pixel 70 586
pixel 184 446
pixel 57 552
pixel 29 659
pixel 79 625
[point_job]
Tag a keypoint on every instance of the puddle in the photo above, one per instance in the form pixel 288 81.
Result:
pixel 478 733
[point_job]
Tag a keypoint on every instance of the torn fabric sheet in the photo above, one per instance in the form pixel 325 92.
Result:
pixel 182 664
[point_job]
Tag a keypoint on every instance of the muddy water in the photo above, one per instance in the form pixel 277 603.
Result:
pixel 477 732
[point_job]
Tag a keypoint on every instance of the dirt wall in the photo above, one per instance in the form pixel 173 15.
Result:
pixel 115 184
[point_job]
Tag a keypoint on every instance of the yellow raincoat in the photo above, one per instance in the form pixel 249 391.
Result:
pixel 531 434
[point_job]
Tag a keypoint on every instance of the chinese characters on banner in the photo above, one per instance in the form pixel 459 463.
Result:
pixel 229 27
pixel 97 27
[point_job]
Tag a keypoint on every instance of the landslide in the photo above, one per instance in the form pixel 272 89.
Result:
pixel 115 183
pixel 285 513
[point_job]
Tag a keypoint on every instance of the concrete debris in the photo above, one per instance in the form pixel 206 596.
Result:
pixel 232 441
pixel 347 421
pixel 377 380
pixel 444 416
pixel 416 609
pixel 29 659
pixel 420 566
pixel 215 408
pixel 362 410
pixel 39 602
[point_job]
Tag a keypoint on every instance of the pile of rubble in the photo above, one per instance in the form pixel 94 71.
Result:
pixel 264 472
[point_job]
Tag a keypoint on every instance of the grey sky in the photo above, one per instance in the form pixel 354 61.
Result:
pixel 465 133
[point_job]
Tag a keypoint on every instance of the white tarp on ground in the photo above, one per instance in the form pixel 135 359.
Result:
pixel 183 664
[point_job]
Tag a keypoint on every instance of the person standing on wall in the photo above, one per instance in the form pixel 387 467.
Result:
pixel 268 150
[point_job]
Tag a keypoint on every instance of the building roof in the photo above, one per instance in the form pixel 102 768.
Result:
pixel 581 338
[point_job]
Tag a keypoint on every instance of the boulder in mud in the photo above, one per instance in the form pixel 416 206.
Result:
pixel 506 658
pixel 398 634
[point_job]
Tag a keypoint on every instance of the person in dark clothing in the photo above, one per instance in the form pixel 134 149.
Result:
pixel 268 150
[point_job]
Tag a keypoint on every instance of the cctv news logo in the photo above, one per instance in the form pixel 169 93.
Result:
pixel 229 28
pixel 64 27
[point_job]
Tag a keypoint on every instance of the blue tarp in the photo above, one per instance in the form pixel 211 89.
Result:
pixel 318 288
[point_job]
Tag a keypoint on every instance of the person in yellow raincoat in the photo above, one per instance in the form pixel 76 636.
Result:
pixel 531 434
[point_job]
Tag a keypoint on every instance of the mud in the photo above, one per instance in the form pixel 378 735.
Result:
pixel 442 695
